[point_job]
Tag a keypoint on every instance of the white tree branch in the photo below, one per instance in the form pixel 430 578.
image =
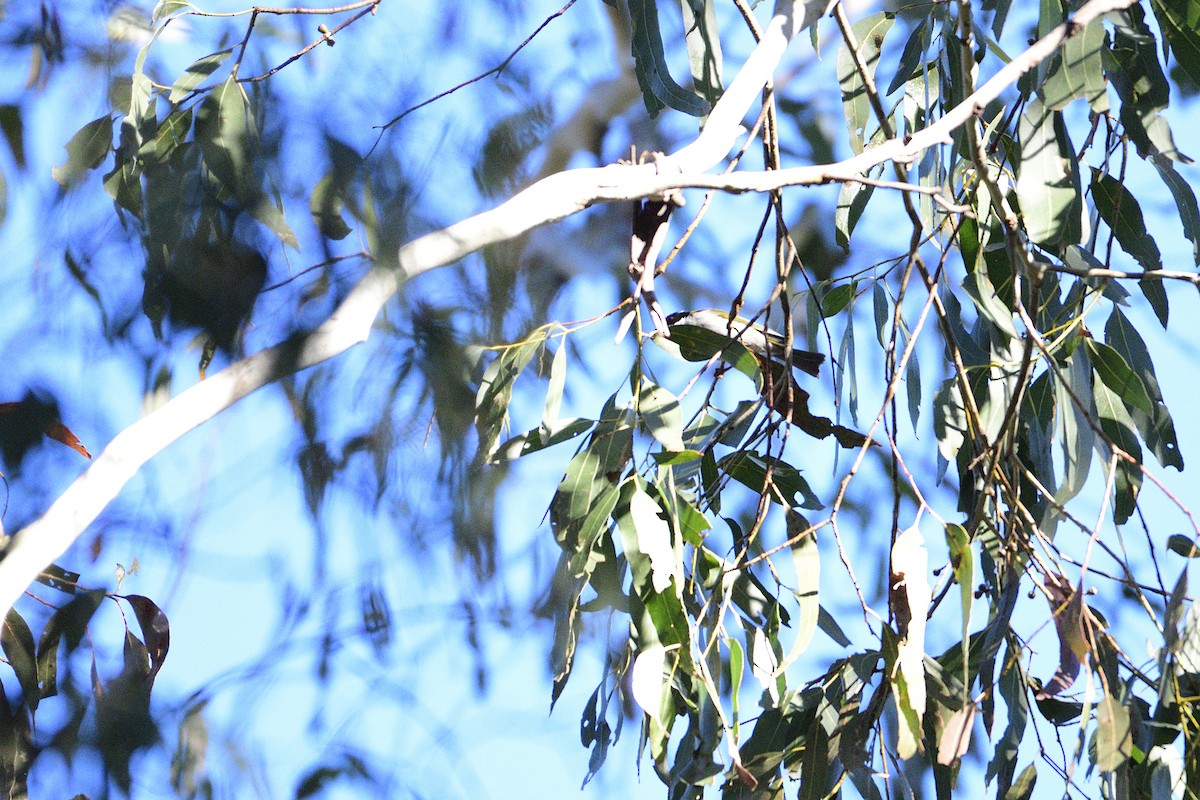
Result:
pixel 35 547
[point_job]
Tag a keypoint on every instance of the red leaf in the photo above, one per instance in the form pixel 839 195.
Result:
pixel 61 433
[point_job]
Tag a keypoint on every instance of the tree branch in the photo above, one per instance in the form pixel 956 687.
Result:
pixel 549 200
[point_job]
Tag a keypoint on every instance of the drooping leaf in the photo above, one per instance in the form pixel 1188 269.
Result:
pixel 1112 370
pixel 1185 201
pixel 806 560
pixel 69 624
pixel 325 205
pixel 21 653
pixel 1133 67
pixel 225 132
pixel 1157 428
pixel 1079 71
pixel 1048 179
pixel 1121 211
pixel 703 47
pixel 1120 430
pixel 662 416
pixel 1179 20
pixel 786 483
pixel 659 89
pixel 86 150
pixel 909 597
pixel 496 387
pixel 155 630
pixel 869 32
pixel 196 74
pixel 654 541
pixel 1114 738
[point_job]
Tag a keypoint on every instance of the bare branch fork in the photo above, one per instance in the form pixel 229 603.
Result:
pixel 551 199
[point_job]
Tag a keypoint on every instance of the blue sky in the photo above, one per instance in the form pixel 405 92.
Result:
pixel 232 506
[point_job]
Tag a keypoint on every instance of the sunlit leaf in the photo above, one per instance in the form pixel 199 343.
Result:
pixel 703 47
pixel 909 597
pixel 166 8
pixel 1114 738
pixel 654 541
pixel 1118 377
pixel 869 32
pixel 1079 70
pixel 1048 179
pixel 196 74
pixel 1133 67
pixel 662 416
pixel 496 387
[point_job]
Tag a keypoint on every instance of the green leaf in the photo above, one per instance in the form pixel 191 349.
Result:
pixel 17 642
pixel 1022 788
pixel 539 438
pixel 981 291
pixel 650 65
pixel 662 416
pixel 655 543
pixel 703 47
pixel 1079 71
pixel 1114 738
pixel 1183 545
pixel 1133 67
pixel 1122 213
pixel 1119 428
pixel 962 560
pixel 554 389
pixel 170 134
pixel 86 150
pixel 806 560
pixel 196 74
pixel 166 8
pixel 837 298
pixel 750 470
pixel 694 343
pixel 949 419
pixel 1048 179
pixel 1180 22
pixel 912 55
pixel 1074 430
pixel 495 390
pixel 1156 296
pixel 69 624
pixel 869 33
pixel 851 203
pixel 325 205
pixel 225 132
pixel 588 492
pixel 1115 373
pixel 1185 201
pixel 1157 428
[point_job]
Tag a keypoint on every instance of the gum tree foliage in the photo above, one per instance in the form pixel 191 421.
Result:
pixel 931 569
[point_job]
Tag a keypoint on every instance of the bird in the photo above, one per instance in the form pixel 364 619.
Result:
pixel 763 342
